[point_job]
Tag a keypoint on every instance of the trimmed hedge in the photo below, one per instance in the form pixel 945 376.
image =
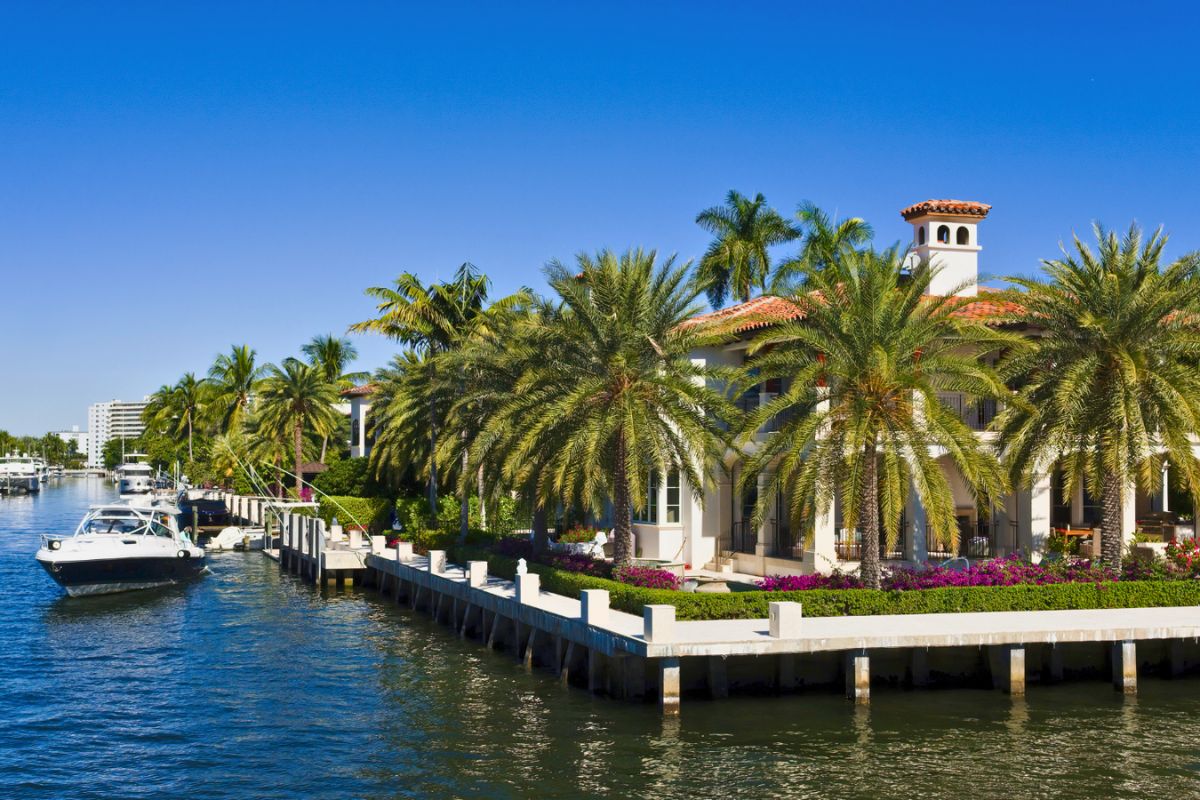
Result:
pixel 858 602
pixel 374 512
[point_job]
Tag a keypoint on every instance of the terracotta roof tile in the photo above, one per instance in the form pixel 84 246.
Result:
pixel 955 208
pixel 760 312
pixel 365 390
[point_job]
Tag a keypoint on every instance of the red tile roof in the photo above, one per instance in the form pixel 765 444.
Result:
pixel 760 312
pixel 365 390
pixel 954 208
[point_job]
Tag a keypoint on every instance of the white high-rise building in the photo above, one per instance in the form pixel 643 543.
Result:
pixel 113 419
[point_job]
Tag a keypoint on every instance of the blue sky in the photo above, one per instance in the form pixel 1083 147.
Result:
pixel 178 177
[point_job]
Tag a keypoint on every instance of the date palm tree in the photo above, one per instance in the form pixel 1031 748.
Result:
pixel 1112 387
pixel 859 413
pixel 332 356
pixel 297 396
pixel 737 261
pixel 234 376
pixel 823 240
pixel 615 395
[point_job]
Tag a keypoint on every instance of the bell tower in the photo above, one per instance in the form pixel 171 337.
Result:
pixel 946 233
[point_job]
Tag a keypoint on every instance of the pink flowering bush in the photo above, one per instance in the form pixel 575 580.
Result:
pixel 1010 571
pixel 647 577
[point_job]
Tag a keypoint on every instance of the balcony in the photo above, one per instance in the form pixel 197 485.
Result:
pixel 977 414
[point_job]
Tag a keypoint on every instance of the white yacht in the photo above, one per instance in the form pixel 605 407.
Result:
pixel 134 478
pixel 119 547
pixel 19 474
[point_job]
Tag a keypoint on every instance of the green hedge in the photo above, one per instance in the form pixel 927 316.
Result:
pixel 374 512
pixel 858 602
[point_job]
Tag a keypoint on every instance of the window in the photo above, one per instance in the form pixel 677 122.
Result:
pixel 673 496
pixel 943 234
pixel 921 235
pixel 354 431
pixel 649 514
pixel 963 235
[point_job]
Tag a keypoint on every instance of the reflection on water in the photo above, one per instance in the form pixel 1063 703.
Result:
pixel 247 684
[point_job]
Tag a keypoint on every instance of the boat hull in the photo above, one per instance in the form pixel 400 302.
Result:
pixel 110 575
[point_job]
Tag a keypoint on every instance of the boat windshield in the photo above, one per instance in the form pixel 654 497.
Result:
pixel 126 523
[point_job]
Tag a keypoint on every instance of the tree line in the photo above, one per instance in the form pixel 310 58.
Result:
pixel 587 395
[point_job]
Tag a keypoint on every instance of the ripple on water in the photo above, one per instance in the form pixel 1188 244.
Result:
pixel 247 684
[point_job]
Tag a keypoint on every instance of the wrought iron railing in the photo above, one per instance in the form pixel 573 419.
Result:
pixel 849 545
pixel 977 414
pixel 976 541
pixel 744 537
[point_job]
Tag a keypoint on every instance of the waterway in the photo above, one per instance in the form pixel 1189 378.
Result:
pixel 249 684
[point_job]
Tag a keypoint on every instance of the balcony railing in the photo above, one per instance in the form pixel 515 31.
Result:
pixel 977 414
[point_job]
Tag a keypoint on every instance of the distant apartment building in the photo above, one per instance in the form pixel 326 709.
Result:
pixel 114 419
pixel 81 439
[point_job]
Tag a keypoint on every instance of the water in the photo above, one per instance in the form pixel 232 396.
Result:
pixel 248 684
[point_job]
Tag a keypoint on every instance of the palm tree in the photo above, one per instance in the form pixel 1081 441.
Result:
pixel 859 412
pixel 190 396
pixel 737 261
pixel 1113 385
pixel 234 377
pixel 331 356
pixel 298 397
pixel 823 240
pixel 615 395
pixel 175 410
pixel 434 320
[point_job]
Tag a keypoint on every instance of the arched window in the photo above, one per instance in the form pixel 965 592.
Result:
pixel 921 235
pixel 944 234
pixel 963 235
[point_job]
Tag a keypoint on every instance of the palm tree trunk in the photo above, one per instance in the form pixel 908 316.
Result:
pixel 324 446
pixel 189 439
pixel 622 510
pixel 868 520
pixel 464 504
pixel 540 539
pixel 482 505
pixel 298 441
pixel 1112 541
pixel 433 487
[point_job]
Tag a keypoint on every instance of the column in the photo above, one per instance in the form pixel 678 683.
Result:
pixel 1034 505
pixel 1008 669
pixel 916 548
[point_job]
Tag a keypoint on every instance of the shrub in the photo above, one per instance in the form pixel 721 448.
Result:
pixel 372 512
pixel 350 477
pixel 856 602
pixel 647 578
pixel 577 535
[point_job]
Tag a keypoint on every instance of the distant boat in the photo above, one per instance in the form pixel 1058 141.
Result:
pixel 135 478
pixel 19 474
pixel 120 547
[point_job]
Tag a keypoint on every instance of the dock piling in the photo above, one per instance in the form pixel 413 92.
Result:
pixel 858 677
pixel 1124 666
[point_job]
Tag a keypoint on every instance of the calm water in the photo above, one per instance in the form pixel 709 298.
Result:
pixel 247 684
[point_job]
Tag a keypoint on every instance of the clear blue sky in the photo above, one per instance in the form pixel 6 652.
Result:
pixel 178 177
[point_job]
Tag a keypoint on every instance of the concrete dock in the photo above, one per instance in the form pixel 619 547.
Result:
pixel 585 642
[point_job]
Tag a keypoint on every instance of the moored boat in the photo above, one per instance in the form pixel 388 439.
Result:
pixel 120 547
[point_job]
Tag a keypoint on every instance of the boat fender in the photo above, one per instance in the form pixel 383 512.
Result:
pixel 184 554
